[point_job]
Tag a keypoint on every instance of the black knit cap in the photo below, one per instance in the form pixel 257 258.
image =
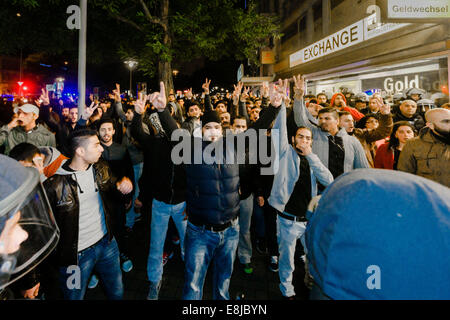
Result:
pixel 210 116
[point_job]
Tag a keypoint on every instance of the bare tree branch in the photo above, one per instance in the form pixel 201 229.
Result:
pixel 120 18
pixel 151 18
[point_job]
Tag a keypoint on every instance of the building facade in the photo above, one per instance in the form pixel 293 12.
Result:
pixel 347 43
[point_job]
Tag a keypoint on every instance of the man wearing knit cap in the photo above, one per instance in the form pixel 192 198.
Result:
pixel 213 197
pixel 23 128
pixel 339 102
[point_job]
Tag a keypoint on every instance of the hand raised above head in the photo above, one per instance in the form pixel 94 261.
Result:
pixel 277 93
pixel 299 86
pixel 117 92
pixel 205 86
pixel 44 99
pixel 139 104
pixel 88 111
pixel 158 99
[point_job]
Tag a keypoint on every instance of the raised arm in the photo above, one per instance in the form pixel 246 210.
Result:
pixel 44 113
pixel 205 86
pixel 277 96
pixel 137 130
pixel 118 103
pixel 300 111
pixel 384 128
pixel 280 125
pixel 158 100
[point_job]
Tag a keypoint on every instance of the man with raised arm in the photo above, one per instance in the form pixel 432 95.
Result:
pixel 337 150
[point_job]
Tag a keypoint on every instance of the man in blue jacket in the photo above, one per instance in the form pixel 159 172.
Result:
pixel 212 203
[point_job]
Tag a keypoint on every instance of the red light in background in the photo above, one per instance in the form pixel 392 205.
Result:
pixel 25 88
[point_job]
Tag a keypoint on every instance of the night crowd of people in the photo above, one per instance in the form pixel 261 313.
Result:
pixel 104 168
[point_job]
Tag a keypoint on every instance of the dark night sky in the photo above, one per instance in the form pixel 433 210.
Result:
pixel 222 73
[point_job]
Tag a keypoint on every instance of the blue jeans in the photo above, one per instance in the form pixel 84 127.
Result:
pixel 202 248
pixel 131 214
pixel 103 257
pixel 288 233
pixel 258 216
pixel 245 241
pixel 161 212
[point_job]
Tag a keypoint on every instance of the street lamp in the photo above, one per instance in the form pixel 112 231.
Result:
pixel 131 65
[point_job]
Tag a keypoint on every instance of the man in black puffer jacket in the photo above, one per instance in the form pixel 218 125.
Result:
pixel 213 196
pixel 165 183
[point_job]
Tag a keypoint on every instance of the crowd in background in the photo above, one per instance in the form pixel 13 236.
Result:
pixel 104 168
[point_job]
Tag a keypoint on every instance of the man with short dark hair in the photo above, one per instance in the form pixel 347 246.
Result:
pixel 118 158
pixel 64 126
pixel 338 151
pixel 82 195
pixel 322 98
pixel 29 156
pixel 225 120
pixel 193 111
pixel 294 185
pixel 368 136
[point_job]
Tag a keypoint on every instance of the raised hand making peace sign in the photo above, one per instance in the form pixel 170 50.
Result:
pixel 139 104
pixel 205 86
pixel 277 93
pixel 88 111
pixel 299 87
pixel 43 99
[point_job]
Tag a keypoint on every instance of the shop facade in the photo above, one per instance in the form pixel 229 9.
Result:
pixel 371 56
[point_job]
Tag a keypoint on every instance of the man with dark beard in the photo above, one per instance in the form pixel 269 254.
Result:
pixel 294 185
pixel 339 102
pixel 428 154
pixel 337 150
pixel 118 158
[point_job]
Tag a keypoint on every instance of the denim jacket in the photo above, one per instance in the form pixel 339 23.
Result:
pixel 289 167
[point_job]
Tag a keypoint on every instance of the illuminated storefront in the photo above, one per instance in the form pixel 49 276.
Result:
pixel 368 55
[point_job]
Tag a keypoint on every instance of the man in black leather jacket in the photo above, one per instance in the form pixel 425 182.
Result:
pixel 82 195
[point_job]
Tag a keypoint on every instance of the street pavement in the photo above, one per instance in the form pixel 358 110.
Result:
pixel 262 284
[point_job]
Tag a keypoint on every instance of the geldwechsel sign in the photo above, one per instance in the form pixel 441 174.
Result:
pixel 360 31
pixel 420 9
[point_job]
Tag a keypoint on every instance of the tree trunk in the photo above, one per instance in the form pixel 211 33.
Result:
pixel 165 75
pixel 165 67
